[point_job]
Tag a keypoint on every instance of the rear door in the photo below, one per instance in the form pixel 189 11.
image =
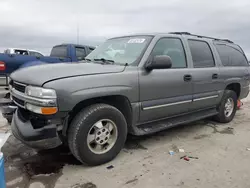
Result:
pixel 207 82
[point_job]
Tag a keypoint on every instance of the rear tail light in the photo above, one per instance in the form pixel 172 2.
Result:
pixel 2 66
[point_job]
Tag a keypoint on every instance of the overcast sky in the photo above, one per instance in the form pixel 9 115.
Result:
pixel 40 24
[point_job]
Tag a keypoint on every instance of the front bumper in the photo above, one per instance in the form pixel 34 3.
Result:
pixel 7 107
pixel 40 138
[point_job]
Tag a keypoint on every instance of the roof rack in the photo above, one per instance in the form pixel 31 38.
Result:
pixel 200 36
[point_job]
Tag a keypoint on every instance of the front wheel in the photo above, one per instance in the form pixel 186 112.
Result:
pixel 97 134
pixel 227 107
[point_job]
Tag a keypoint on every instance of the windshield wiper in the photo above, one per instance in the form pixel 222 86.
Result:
pixel 105 61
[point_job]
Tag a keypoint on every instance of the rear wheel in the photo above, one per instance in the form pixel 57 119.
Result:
pixel 227 107
pixel 97 134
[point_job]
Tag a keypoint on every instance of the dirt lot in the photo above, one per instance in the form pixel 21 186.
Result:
pixel 145 162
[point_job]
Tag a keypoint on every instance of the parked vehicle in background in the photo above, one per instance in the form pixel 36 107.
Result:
pixel 11 62
pixel 59 53
pixel 19 51
pixel 157 82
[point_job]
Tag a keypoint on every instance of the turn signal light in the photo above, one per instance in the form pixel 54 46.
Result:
pixel 48 110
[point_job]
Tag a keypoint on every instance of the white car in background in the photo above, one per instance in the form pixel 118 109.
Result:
pixel 23 52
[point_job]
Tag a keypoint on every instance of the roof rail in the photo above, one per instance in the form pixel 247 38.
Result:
pixel 200 36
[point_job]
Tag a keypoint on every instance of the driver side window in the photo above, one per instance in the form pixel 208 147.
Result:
pixel 173 48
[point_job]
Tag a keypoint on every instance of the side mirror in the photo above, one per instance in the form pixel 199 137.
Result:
pixel 159 62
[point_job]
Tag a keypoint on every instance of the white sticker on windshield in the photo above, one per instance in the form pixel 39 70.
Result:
pixel 136 41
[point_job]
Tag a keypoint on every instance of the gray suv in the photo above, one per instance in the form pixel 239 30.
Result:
pixel 136 84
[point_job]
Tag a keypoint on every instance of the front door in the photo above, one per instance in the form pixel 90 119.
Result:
pixel 166 92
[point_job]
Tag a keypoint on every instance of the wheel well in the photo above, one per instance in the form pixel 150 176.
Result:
pixel 234 87
pixel 120 102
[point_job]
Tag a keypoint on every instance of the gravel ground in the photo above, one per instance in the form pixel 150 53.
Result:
pixel 220 151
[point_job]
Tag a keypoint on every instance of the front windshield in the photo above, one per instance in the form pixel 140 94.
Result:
pixel 125 50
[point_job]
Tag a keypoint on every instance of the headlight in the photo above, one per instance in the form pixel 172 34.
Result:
pixel 40 92
pixel 43 95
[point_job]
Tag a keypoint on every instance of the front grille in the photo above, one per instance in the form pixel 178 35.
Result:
pixel 19 87
pixel 18 101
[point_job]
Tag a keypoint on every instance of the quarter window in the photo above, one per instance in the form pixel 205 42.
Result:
pixel 231 56
pixel 174 49
pixel 201 54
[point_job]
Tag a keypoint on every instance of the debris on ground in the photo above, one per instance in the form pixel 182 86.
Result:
pixel 131 181
pixel 193 157
pixel 86 185
pixel 110 167
pixel 181 150
pixel 186 158
pixel 171 152
pixel 239 104
pixel 182 157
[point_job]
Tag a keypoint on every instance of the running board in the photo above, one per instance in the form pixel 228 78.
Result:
pixel 153 127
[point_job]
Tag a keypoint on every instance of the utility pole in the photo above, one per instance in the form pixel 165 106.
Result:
pixel 77 33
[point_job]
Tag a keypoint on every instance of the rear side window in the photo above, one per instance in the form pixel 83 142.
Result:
pixel 59 51
pixel 80 53
pixel 35 54
pixel 201 54
pixel 173 48
pixel 21 52
pixel 231 56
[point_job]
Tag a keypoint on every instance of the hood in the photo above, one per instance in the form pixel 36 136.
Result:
pixel 38 75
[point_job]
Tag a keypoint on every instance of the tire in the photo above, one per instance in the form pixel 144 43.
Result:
pixel 222 117
pixel 83 124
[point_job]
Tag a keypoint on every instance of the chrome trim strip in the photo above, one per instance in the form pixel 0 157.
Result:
pixel 32 100
pixel 165 105
pixel 204 98
pixel 18 104
pixel 19 83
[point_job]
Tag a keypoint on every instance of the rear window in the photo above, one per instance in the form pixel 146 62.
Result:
pixel 201 54
pixel 59 51
pixel 231 56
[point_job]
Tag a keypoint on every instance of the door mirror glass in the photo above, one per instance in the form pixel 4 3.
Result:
pixel 159 62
